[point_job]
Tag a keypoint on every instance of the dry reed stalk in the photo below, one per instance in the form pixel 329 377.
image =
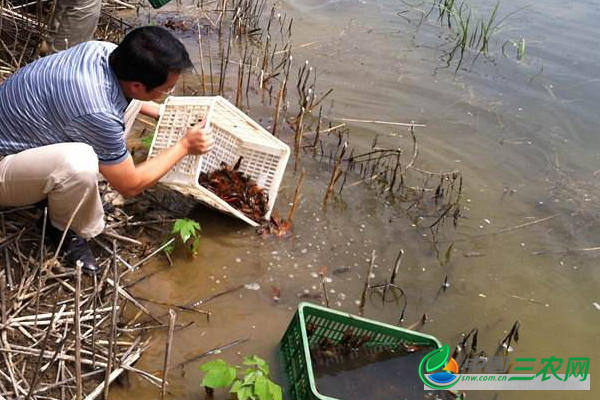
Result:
pixel 39 360
pixel 201 61
pixel 240 83
pixel 278 108
pixel 298 140
pixel 7 265
pixel 325 296
pixel 77 326
pixel 396 267
pixel 154 253
pixel 367 285
pixel 113 330
pixel 381 122
pixel 168 347
pixel 290 216
pixel 336 173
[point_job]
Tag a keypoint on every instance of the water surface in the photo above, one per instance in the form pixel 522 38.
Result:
pixel 524 135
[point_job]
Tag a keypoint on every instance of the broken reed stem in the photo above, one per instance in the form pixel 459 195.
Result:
pixel 94 310
pixel 240 84
pixel 249 75
pixel 155 252
pixel 168 347
pixel 62 239
pixel 411 125
pixel 336 173
pixel 367 286
pixel 278 108
pixel 7 266
pixel 40 358
pixel 3 298
pixel 396 267
pixel 322 277
pixel 415 148
pixel 290 217
pixel 201 61
pixel 298 139
pixel 113 325
pixel 318 131
pixel 210 69
pixel 77 326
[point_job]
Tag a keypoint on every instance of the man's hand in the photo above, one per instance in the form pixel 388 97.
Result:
pixel 198 139
pixel 129 179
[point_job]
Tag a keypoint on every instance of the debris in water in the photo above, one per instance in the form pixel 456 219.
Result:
pixel 341 270
pixel 445 285
pixel 310 296
pixel 417 326
pixel 275 294
pixel 252 286
pixel 505 344
pixel 469 254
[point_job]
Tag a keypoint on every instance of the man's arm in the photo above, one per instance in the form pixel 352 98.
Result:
pixel 150 109
pixel 129 179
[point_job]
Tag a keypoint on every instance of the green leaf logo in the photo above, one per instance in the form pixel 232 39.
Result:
pixel 438 358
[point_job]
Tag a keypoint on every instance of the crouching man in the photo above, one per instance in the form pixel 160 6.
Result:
pixel 65 117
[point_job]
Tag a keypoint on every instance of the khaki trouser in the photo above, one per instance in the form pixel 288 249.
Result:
pixel 62 173
pixel 74 21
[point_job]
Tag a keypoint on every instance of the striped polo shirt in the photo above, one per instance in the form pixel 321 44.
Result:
pixel 71 96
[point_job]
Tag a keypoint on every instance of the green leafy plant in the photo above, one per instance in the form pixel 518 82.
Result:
pixel 147 142
pixel 189 232
pixel 254 384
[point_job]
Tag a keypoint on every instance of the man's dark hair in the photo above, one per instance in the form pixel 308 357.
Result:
pixel 147 55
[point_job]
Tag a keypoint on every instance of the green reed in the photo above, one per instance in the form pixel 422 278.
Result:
pixel 470 32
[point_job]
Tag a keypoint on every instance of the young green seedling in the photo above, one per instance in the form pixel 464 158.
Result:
pixel 254 384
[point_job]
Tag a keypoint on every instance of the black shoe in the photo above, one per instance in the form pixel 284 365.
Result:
pixel 74 249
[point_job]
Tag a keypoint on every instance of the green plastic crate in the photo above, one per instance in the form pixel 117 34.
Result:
pixel 158 3
pixel 332 324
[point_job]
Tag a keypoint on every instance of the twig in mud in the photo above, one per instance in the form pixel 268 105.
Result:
pixel 216 350
pixel 168 346
pixel 39 360
pixel 129 297
pixel 184 308
pixel 121 259
pixel 155 252
pixel 114 235
pixel 212 297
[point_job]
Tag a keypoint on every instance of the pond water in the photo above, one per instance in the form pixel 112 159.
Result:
pixel 523 133
pixel 376 374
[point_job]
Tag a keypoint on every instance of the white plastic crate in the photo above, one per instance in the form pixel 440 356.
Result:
pixel 235 134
